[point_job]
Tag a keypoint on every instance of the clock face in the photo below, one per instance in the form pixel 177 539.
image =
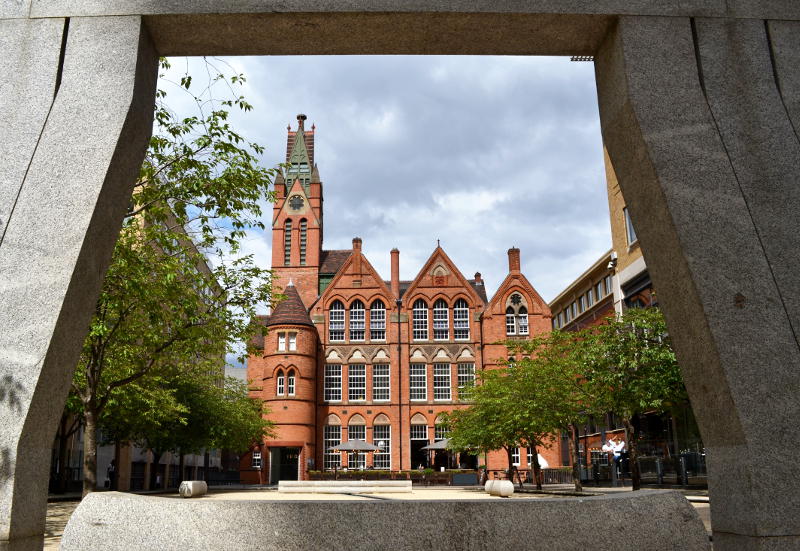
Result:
pixel 296 202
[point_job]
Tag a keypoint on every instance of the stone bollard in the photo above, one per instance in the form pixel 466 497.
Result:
pixel 489 486
pixel 504 488
pixel 193 488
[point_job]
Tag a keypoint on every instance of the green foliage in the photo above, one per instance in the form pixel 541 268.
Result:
pixel 165 320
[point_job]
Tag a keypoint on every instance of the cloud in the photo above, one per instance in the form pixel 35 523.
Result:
pixel 481 152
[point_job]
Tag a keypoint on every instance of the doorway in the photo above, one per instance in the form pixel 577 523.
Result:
pixel 284 464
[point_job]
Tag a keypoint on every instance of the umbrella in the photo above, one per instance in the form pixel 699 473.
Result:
pixel 354 446
pixel 439 445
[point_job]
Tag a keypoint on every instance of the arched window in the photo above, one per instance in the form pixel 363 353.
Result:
pixel 461 319
pixel 522 320
pixel 441 320
pixel 281 382
pixel 331 436
pixel 290 383
pixel 287 243
pixel 420 320
pixel 382 437
pixel 377 321
pixel 336 321
pixel 511 326
pixel 357 320
pixel 303 228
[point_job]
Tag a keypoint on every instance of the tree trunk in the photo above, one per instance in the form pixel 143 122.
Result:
pixel 537 469
pixel 63 438
pixel 511 468
pixel 576 459
pixel 181 466
pixel 89 451
pixel 154 469
pixel 632 426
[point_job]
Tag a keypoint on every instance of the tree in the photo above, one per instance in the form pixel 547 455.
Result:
pixel 161 311
pixel 630 368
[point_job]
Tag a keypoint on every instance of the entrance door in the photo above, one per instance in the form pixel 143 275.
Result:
pixel 289 458
pixel 419 457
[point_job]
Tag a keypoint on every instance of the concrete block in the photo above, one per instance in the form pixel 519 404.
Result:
pixel 504 488
pixel 193 488
pixel 630 522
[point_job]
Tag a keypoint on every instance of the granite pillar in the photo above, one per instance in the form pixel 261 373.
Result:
pixel 77 96
pixel 709 163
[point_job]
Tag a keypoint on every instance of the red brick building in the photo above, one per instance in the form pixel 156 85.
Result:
pixel 351 356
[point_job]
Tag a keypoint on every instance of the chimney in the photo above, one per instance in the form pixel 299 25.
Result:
pixel 395 273
pixel 513 259
pixel 301 119
pixel 357 255
pixel 478 278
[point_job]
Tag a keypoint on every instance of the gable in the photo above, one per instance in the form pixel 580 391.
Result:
pixel 356 278
pixel 518 282
pixel 296 205
pixel 440 273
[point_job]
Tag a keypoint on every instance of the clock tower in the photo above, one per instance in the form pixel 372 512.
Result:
pixel 297 216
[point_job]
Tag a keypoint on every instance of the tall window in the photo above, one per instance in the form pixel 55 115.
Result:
pixel 331 436
pixel 530 457
pixel 598 291
pixel 255 460
pixel 419 432
pixel 380 382
pixel 515 456
pixel 522 320
pixel 280 390
pixel 630 232
pixel 581 303
pixel 420 321
pixel 357 460
pixel 461 320
pixel 303 228
pixel 441 382
pixel 589 298
pixel 466 379
pixel 418 384
pixel 281 342
pixel 336 321
pixel 357 382
pixel 332 383
pixel 287 243
pixel 441 321
pixel 377 321
pixel 357 321
pixel 382 437
pixel 292 341
pixel 440 432
pixel 607 282
pixel 290 383
pixel 511 326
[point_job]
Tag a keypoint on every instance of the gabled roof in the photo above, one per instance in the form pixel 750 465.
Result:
pixel 439 253
pixel 330 262
pixel 480 288
pixel 291 310
pixel 517 279
pixel 366 268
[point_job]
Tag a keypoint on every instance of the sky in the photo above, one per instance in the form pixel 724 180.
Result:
pixel 480 152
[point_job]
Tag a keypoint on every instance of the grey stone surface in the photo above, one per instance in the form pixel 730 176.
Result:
pixel 14 8
pixel 629 521
pixel 747 543
pixel 193 488
pixel 785 45
pixel 31 50
pixel 58 243
pixel 688 181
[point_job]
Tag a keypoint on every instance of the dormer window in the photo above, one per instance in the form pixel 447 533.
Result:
pixel 516 315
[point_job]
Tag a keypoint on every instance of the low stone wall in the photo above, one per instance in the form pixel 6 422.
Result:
pixel 344 486
pixel 648 519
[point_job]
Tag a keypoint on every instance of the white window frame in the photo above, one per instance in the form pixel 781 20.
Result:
pixel 511 326
pixel 357 320
pixel 466 375
pixel 382 459
pixel 381 383
pixel 522 321
pixel 357 460
pixel 419 320
pixel 280 389
pixel 442 388
pixel 332 383
pixel 290 383
pixel 255 460
pixel 418 382
pixel 515 456
pixel 356 382
pixel 336 322
pixel 418 432
pixel 440 432
pixel 608 283
pixel 630 233
pixel 461 320
pixel 281 342
pixel 377 321
pixel 331 436
pixel 441 320
pixel 292 342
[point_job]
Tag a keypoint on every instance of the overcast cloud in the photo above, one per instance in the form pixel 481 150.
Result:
pixel 483 153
